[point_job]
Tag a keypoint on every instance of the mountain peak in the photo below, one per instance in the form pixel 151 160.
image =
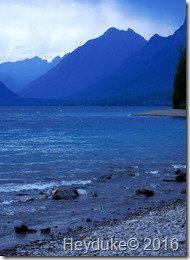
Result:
pixel 115 30
pixel 35 58
pixel 56 60
pixel 130 30
pixel 156 38
pixel 32 60
pixel 111 30
pixel 89 63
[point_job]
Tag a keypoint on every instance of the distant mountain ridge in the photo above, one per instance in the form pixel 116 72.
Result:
pixel 146 77
pixel 17 74
pixel 118 68
pixel 89 63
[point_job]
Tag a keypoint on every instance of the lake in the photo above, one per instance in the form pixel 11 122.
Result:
pixel 46 147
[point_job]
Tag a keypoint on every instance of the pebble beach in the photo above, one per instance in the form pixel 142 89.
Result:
pixel 158 232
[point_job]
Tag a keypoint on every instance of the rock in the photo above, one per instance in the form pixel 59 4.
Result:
pixel 58 194
pixel 168 180
pixel 69 230
pixel 105 177
pixel 88 220
pixel 21 194
pixel 27 198
pixel 80 227
pixel 178 171
pixel 45 230
pixel 43 195
pixel 54 193
pixel 22 229
pixel 181 177
pixel 146 192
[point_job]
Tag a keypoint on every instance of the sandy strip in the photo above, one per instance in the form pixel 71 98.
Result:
pixel 166 112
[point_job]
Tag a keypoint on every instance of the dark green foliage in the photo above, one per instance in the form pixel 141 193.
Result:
pixel 179 94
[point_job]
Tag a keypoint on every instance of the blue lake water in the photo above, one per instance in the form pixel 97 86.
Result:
pixel 46 147
pixel 39 144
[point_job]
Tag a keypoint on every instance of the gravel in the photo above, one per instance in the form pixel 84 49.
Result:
pixel 156 232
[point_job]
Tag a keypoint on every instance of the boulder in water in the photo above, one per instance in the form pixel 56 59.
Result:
pixel 58 194
pixel 105 178
pixel 146 192
pixel 22 229
pixel 181 177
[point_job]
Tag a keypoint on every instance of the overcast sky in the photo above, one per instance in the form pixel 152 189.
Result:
pixel 48 28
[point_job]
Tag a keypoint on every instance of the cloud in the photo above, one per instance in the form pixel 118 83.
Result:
pixel 54 27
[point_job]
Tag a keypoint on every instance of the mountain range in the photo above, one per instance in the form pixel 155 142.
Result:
pixel 146 77
pixel 118 68
pixel 88 64
pixel 16 75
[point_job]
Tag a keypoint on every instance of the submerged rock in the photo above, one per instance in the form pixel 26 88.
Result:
pixel 26 198
pixel 105 178
pixel 45 230
pixel 58 194
pixel 146 192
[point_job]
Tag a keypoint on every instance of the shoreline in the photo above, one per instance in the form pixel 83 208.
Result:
pixel 165 112
pixel 160 225
pixel 101 211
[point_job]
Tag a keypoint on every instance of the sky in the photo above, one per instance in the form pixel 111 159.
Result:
pixel 47 28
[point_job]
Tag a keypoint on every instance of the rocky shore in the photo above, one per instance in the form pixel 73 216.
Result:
pixel 166 112
pixel 153 216
pixel 147 232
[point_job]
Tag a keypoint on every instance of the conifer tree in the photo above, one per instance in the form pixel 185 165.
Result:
pixel 179 94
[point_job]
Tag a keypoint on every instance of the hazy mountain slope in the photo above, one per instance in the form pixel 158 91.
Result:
pixel 18 74
pixel 5 93
pixel 86 65
pixel 148 74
